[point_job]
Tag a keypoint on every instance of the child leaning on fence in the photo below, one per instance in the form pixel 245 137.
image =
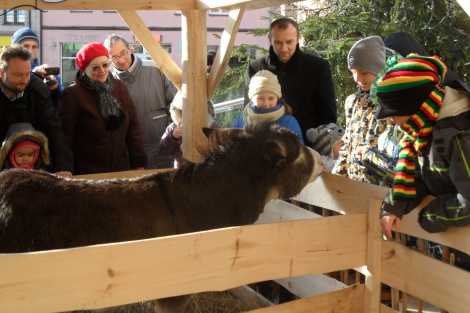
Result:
pixel 365 60
pixel 434 153
pixel 24 147
pixel 266 104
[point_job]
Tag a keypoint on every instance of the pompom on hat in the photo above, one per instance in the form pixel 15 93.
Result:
pixel 88 52
pixel 264 81
pixel 324 138
pixel 408 84
pixel 24 34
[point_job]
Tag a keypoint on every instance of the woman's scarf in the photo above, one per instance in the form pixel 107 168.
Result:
pixel 110 109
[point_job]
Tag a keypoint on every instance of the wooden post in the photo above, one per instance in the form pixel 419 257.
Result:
pixel 446 259
pixel 194 61
pixel 372 294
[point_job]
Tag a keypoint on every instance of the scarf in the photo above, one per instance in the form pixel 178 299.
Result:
pixel 417 133
pixel 110 109
pixel 250 117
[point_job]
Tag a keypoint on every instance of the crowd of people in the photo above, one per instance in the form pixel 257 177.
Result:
pixel 406 125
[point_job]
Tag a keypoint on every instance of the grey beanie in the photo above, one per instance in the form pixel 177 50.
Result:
pixel 324 138
pixel 368 54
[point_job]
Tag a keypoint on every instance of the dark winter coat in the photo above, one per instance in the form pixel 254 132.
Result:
pixel 306 84
pixel 152 93
pixel 442 172
pixel 96 149
pixel 19 132
pixel 35 108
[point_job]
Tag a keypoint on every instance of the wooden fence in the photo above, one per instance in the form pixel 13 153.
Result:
pixel 288 244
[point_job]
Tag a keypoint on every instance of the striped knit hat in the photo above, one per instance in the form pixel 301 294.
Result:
pixel 264 81
pixel 412 87
pixel 24 34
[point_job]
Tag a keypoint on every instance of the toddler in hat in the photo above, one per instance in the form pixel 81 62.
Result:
pixel 267 105
pixel 365 60
pixel 327 141
pixel 434 153
pixel 171 144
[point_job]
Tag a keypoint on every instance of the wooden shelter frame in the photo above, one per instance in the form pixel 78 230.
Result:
pixel 115 274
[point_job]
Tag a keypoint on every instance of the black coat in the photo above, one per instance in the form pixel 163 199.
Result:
pixel 306 85
pixel 35 107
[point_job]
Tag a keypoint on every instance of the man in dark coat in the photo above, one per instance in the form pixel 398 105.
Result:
pixel 25 98
pixel 306 81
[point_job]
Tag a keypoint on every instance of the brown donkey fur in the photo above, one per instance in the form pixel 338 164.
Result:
pixel 240 172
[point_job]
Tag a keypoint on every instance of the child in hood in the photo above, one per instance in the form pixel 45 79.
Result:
pixel 171 144
pixel 327 141
pixel 24 147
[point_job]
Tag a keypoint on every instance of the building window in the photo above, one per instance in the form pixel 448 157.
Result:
pixel 218 12
pixel 15 17
pixel 69 68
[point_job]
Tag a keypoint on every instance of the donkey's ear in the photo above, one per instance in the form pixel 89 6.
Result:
pixel 274 154
pixel 208 131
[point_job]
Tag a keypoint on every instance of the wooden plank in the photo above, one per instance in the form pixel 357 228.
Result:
pixel 347 300
pixel 426 278
pixel 126 174
pixel 154 49
pixel 194 60
pixel 230 4
pixel 245 292
pixel 162 5
pixel 340 194
pixel 311 285
pixel 115 274
pixel 372 293
pixel 281 211
pixel 225 50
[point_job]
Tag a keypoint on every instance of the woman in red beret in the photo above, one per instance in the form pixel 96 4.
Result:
pixel 99 117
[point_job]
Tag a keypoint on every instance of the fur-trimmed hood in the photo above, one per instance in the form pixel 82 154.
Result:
pixel 19 132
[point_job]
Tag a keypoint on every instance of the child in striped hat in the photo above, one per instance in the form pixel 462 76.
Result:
pixel 327 140
pixel 435 151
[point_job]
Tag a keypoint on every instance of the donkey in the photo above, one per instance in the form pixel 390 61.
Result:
pixel 240 171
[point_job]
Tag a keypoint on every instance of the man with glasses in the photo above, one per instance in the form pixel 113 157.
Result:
pixel 151 91
pixel 24 98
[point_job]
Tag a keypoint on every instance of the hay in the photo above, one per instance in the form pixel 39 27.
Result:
pixel 207 302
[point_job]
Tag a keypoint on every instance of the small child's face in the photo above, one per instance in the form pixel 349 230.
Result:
pixel 24 156
pixel 265 100
pixel 363 79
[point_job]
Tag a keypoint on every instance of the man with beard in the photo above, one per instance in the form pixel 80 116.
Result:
pixel 26 99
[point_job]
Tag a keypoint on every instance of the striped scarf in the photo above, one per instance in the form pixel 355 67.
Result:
pixel 418 130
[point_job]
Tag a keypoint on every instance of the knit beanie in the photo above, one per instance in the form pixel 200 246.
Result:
pixel 24 34
pixel 325 137
pixel 264 81
pixel 88 52
pixel 29 144
pixel 368 54
pixel 408 84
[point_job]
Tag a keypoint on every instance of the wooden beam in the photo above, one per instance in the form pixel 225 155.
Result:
pixel 225 50
pixel 232 4
pixel 426 278
pixel 194 63
pixel 162 5
pixel 116 274
pixel 373 289
pixel 154 49
pixel 347 300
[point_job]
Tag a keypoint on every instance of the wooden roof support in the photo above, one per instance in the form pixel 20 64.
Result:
pixel 154 49
pixel 225 50
pixel 233 4
pixel 194 61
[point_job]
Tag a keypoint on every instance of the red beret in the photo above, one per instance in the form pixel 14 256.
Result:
pixel 88 52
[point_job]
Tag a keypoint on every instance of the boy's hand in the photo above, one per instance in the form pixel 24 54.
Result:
pixel 360 150
pixel 387 222
pixel 178 132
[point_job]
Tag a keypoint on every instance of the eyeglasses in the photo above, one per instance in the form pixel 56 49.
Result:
pixel 116 58
pixel 97 67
